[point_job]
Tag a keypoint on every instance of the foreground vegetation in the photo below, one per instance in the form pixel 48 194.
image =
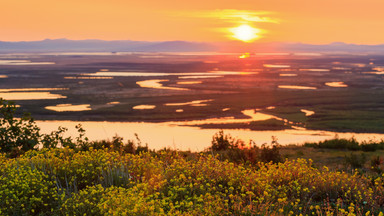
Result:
pixel 102 182
pixel 49 174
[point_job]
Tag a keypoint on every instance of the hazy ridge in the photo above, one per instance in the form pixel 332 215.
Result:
pixel 181 46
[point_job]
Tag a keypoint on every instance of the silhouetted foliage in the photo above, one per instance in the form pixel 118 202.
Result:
pixel 377 164
pixel 348 144
pixel 230 148
pixel 16 135
pixel 355 160
pixel 271 153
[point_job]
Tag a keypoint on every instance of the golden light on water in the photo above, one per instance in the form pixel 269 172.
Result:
pixel 245 33
pixel 245 55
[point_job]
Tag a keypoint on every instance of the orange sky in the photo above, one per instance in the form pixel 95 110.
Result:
pixel 307 21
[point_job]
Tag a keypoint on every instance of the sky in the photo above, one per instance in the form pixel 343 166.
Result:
pixel 305 21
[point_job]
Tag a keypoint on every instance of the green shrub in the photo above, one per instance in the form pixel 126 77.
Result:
pixel 350 144
pixel 271 153
pixel 86 202
pixel 355 161
pixel 221 141
pixel 132 201
pixel 19 135
pixel 16 135
pixel 27 191
pixel 377 164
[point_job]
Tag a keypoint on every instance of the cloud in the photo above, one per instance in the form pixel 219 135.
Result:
pixel 241 16
pixel 241 25
pixel 231 16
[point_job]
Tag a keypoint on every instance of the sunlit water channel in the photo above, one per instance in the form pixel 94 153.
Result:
pixel 160 135
pixel 183 135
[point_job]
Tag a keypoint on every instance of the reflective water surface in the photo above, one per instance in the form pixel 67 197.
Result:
pixel 29 95
pixel 316 70
pixel 160 135
pixel 92 77
pixel 288 75
pixel 69 107
pixel 295 87
pixel 307 112
pixel 113 103
pixel 32 89
pixel 146 74
pixel 336 84
pixel 157 85
pixel 144 107
pixel 198 77
pixel 276 66
pixel 23 62
pixel 252 115
pixel 192 103
pixel 189 82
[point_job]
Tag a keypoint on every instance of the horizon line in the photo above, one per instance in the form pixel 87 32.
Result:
pixel 209 42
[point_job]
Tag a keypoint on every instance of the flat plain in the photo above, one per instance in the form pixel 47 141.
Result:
pixel 334 92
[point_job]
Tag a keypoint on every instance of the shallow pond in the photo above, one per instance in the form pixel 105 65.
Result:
pixel 157 85
pixel 30 96
pixel 336 84
pixel 144 107
pixel 23 62
pixel 192 103
pixel 295 87
pixel 69 107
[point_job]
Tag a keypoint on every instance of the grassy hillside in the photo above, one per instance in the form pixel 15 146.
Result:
pixel 49 174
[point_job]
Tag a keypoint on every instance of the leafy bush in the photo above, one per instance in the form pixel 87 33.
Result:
pixel 86 202
pixel 235 150
pixel 27 191
pixel 377 164
pixel 348 144
pixel 131 201
pixel 355 160
pixel 221 141
pixel 16 135
pixel 19 135
pixel 271 153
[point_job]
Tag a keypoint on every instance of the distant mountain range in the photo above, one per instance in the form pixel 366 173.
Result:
pixel 65 45
pixel 104 46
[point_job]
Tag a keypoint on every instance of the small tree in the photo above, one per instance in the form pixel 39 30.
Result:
pixel 221 141
pixel 17 135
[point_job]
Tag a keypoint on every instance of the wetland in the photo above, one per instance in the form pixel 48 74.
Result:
pixel 331 93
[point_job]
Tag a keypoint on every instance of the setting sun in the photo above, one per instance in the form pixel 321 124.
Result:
pixel 245 33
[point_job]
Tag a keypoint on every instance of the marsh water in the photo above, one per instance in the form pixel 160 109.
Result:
pixel 161 135
pixel 184 135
